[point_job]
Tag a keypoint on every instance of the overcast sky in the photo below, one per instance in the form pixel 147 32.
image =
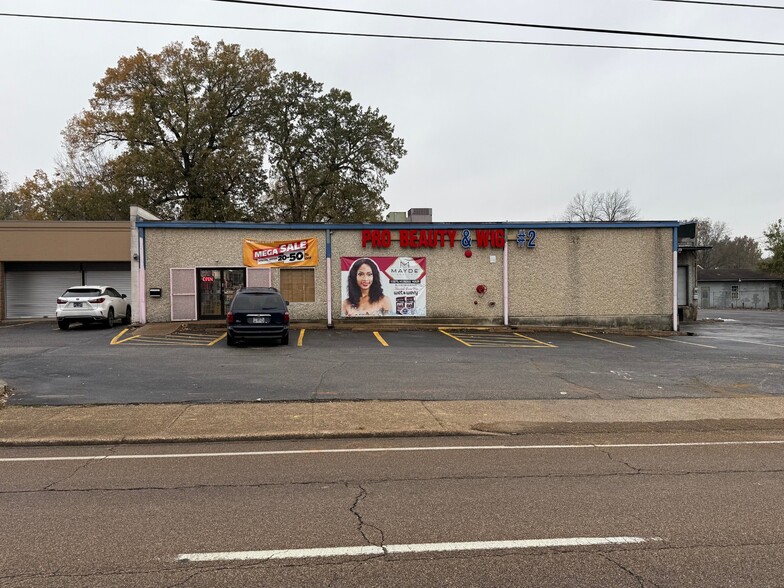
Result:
pixel 493 132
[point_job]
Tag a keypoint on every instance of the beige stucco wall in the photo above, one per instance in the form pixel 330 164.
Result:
pixel 204 248
pixel 65 241
pixel 593 273
pixel 604 277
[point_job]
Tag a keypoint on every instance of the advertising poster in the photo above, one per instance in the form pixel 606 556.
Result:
pixel 382 286
pixel 296 253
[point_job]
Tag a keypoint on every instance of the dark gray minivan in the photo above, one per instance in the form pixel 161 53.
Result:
pixel 256 314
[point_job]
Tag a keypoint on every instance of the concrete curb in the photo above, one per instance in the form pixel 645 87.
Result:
pixel 700 426
pixel 192 423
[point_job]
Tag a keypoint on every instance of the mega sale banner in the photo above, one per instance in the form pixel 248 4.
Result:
pixel 383 286
pixel 294 253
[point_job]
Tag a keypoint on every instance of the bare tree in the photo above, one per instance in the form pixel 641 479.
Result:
pixel 601 207
pixel 709 234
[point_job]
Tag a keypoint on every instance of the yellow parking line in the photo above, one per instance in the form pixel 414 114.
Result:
pixel 221 338
pixel 536 340
pixel 301 337
pixel 600 339
pixel 684 342
pixel 116 340
pixel 20 325
pixel 455 338
pixel 380 338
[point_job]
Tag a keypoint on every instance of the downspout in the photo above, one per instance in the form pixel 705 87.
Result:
pixel 142 279
pixel 675 278
pixel 506 282
pixel 329 279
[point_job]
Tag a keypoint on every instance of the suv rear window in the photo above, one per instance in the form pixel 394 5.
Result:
pixel 81 292
pixel 253 301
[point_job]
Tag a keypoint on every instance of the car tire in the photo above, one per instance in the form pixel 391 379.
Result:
pixel 230 340
pixel 284 340
pixel 127 318
pixel 110 318
pixel 63 325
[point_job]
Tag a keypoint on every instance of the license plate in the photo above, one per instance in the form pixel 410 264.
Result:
pixel 259 320
pixel 77 304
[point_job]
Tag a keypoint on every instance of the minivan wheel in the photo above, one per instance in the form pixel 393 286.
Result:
pixel 230 340
pixel 63 325
pixel 284 340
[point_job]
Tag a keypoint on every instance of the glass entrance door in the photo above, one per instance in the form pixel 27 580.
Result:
pixel 217 288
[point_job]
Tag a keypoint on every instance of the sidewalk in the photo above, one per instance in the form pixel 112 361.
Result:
pixel 149 423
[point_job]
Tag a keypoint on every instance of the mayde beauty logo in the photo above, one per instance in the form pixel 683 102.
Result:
pixel 405 268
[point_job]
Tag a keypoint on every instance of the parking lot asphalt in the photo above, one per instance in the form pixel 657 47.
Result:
pixel 181 382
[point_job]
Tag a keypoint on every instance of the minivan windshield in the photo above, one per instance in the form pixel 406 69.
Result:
pixel 255 301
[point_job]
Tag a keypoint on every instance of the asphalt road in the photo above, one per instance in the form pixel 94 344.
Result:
pixel 744 356
pixel 668 510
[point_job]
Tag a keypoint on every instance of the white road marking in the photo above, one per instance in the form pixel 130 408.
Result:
pixel 410 548
pixel 742 341
pixel 601 339
pixel 20 325
pixel 683 342
pixel 387 450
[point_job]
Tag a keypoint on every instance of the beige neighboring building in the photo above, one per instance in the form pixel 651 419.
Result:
pixel 535 273
pixel 40 259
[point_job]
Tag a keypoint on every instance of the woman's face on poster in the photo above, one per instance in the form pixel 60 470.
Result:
pixel 364 276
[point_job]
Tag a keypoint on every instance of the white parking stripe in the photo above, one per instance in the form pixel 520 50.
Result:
pixel 684 342
pixel 387 450
pixel 411 548
pixel 601 339
pixel 742 341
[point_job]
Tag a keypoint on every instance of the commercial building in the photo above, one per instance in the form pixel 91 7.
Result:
pixel 528 273
pixel 740 288
pixel 40 259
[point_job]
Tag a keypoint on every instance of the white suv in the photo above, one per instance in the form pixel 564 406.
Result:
pixel 91 304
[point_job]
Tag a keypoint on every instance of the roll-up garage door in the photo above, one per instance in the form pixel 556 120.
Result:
pixel 117 279
pixel 33 294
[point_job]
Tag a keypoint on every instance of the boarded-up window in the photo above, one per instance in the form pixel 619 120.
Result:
pixel 298 285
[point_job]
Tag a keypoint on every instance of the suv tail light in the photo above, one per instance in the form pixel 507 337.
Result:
pixel 230 318
pixel 96 300
pixel 61 301
pixel 286 318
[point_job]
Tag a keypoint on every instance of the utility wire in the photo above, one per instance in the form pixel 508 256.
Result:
pixel 501 23
pixel 384 36
pixel 730 4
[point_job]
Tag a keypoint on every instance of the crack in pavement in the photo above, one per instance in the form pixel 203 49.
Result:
pixel 640 580
pixel 48 488
pixel 315 392
pixel 634 472
pixel 361 524
pixel 612 459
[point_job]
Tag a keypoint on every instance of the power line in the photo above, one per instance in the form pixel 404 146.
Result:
pixel 730 4
pixel 501 23
pixel 386 36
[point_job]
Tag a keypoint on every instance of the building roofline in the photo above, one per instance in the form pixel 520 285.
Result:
pixel 393 225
